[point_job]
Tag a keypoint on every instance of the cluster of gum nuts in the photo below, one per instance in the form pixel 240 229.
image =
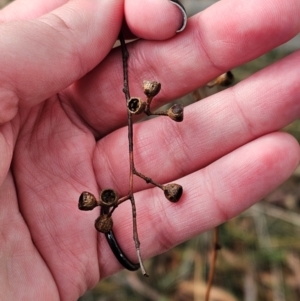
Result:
pixel 109 199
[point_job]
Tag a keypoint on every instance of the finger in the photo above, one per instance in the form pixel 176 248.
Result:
pixel 165 150
pixel 211 196
pixel 148 19
pixel 153 19
pixel 212 43
pixel 27 10
pixel 54 51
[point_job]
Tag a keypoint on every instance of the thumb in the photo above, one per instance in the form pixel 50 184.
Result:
pixel 43 56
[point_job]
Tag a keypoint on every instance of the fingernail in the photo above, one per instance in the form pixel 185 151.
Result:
pixel 184 15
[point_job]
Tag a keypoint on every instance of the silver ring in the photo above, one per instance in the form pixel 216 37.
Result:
pixel 184 15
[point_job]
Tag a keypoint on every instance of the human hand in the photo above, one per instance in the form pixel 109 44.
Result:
pixel 46 46
pixel 225 153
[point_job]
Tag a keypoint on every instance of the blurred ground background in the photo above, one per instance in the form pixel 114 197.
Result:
pixel 260 255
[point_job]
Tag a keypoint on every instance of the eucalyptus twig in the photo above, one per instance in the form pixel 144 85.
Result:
pixel 125 56
pixel 136 105
pixel 109 199
pixel 216 247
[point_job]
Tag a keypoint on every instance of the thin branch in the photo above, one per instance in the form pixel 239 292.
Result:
pixel 147 179
pixel 125 56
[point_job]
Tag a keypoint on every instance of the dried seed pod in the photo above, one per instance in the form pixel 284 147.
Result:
pixel 104 223
pixel 136 105
pixel 108 197
pixel 225 79
pixel 151 88
pixel 176 112
pixel 87 201
pixel 173 192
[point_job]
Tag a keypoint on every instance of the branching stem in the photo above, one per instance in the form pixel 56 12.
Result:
pixel 125 56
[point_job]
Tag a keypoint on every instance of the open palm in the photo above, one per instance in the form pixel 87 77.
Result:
pixel 63 115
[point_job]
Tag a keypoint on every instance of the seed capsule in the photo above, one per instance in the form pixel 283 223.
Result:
pixel 108 197
pixel 87 201
pixel 104 223
pixel 136 105
pixel 173 192
pixel 176 112
pixel 151 88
